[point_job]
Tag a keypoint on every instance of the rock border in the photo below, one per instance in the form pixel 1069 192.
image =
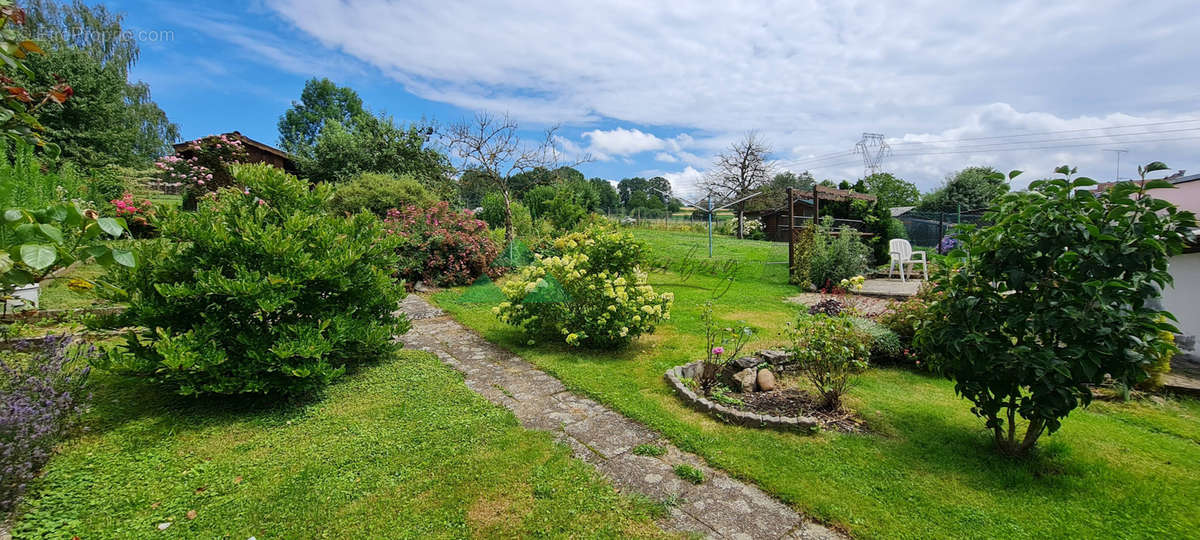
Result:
pixel 728 414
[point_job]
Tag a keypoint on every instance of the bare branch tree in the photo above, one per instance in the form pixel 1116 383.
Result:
pixel 491 144
pixel 740 171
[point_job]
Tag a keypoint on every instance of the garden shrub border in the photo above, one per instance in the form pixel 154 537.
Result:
pixel 728 414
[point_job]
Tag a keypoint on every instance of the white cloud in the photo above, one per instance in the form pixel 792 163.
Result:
pixel 665 157
pixel 685 183
pixel 622 142
pixel 809 75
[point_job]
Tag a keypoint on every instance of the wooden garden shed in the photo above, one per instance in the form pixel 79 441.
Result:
pixel 258 152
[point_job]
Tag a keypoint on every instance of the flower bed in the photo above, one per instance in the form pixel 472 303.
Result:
pixel 726 413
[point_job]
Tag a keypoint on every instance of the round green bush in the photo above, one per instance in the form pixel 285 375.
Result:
pixel 378 193
pixel 593 295
pixel 258 291
pixel 885 344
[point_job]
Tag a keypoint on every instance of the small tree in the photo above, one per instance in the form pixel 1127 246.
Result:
pixel 492 146
pixel 1052 298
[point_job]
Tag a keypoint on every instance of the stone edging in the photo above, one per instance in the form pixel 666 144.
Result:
pixel 676 375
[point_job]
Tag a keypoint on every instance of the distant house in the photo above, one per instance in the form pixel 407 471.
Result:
pixel 804 207
pixel 259 152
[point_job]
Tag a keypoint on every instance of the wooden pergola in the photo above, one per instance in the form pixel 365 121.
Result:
pixel 819 193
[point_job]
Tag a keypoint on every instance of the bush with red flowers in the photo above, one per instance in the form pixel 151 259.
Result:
pixel 442 246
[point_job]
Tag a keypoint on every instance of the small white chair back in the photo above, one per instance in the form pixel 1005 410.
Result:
pixel 901 247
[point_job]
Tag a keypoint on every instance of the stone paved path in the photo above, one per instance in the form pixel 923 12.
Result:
pixel 720 507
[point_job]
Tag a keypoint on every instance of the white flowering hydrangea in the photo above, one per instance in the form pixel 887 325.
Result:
pixel 593 295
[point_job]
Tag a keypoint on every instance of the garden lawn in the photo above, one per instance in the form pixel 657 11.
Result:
pixel 929 470
pixel 400 449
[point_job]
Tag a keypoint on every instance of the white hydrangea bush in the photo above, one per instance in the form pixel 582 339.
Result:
pixel 593 294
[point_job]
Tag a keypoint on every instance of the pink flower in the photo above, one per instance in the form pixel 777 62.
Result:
pixel 718 351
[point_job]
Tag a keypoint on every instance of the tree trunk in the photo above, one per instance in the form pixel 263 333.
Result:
pixel 508 226
pixel 1007 443
pixel 741 214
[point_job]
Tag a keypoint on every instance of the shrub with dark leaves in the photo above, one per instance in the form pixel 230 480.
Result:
pixel 441 246
pixel 41 399
pixel 829 306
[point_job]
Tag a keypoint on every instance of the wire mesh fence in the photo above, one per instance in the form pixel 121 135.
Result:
pixel 926 229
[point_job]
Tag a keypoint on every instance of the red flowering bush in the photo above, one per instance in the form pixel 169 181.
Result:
pixel 441 246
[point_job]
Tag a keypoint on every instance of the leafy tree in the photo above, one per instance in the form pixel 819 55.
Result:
pixel 892 191
pixel 538 200
pixel 609 199
pixel 653 188
pixel 774 193
pixel 112 121
pixel 969 189
pixel 375 144
pixel 1052 298
pixel 321 101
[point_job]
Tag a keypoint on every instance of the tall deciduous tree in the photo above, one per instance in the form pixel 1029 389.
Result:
pixel 113 121
pixel 492 146
pixel 321 101
pixel 740 171
pixel 891 191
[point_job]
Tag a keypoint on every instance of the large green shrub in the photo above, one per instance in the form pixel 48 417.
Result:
pixel 835 257
pixel 886 347
pixel 594 294
pixel 1052 298
pixel 378 193
pixel 259 290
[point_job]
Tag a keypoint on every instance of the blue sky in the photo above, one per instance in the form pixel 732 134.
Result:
pixel 650 88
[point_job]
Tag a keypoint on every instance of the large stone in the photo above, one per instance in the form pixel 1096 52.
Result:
pixel 766 380
pixel 775 358
pixel 746 362
pixel 746 379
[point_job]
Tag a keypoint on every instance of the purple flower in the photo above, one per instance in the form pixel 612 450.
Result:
pixel 39 404
pixel 718 351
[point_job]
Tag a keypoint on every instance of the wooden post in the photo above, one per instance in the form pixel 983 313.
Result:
pixel 791 233
pixel 816 204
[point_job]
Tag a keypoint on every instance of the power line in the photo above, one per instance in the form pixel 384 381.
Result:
pixel 1051 147
pixel 905 143
pixel 1062 139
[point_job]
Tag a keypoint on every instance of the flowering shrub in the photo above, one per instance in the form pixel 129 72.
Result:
pixel 207 168
pixel 258 291
pixel 40 401
pixel 829 350
pixel 441 246
pixel 594 294
pixel 834 257
pixel 137 215
pixel 716 339
pixel 947 244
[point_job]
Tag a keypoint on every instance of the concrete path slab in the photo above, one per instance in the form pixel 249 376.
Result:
pixel 720 507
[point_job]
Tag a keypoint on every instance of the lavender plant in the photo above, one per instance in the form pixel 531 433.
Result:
pixel 41 399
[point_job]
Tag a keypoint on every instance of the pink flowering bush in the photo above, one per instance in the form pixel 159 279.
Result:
pixel 205 168
pixel 137 215
pixel 441 246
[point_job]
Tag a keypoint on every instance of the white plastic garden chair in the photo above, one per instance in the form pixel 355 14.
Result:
pixel 901 254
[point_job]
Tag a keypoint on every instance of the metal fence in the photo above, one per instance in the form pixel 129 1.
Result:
pixel 926 229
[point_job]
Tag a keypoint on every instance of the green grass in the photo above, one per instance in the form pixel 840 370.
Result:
pixel 689 473
pixel 56 295
pixel 400 449
pixel 928 470
pixel 751 260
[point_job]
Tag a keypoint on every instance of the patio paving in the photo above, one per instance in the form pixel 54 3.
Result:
pixel 720 507
pixel 890 288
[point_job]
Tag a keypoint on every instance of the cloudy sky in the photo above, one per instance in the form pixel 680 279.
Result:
pixel 657 88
